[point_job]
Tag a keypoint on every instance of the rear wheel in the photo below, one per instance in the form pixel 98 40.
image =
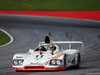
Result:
pixel 78 61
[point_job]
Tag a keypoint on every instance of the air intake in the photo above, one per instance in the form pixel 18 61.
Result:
pixel 47 39
pixel 34 67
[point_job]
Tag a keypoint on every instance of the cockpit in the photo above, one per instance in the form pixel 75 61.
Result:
pixel 45 47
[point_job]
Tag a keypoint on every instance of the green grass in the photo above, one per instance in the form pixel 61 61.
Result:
pixel 49 4
pixel 4 38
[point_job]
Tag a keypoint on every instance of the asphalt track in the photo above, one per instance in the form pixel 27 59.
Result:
pixel 28 31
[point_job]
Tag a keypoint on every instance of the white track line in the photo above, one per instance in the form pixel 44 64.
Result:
pixel 9 36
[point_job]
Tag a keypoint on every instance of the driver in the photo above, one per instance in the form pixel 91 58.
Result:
pixel 52 48
pixel 40 48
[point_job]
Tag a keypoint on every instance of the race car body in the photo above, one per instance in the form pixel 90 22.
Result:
pixel 59 59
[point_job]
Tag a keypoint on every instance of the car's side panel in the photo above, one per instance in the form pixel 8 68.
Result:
pixel 71 57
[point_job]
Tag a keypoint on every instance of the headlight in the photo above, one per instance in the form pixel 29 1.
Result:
pixel 58 62
pixel 18 62
pixel 15 62
pixel 55 62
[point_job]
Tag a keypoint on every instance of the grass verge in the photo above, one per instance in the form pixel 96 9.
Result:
pixel 4 38
pixel 49 4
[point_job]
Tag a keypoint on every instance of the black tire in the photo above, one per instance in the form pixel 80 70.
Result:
pixel 78 61
pixel 18 71
pixel 64 62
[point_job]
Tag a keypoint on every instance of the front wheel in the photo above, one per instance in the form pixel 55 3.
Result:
pixel 19 71
pixel 64 62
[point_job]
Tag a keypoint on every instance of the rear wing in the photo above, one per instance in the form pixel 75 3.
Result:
pixel 70 43
pixel 62 42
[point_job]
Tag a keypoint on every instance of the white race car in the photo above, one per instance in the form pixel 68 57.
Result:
pixel 58 59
